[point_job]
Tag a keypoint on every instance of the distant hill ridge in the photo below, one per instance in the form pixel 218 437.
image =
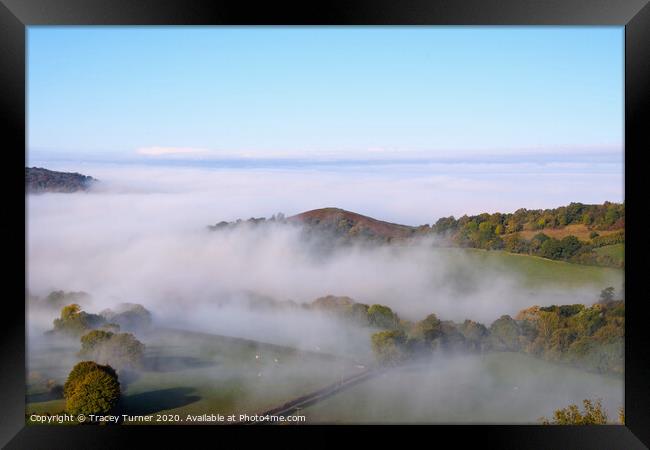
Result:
pixel 40 180
pixel 351 223
pixel 337 225
pixel 578 233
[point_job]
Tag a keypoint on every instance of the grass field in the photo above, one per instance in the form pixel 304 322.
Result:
pixel 535 271
pixel 616 251
pixel 194 373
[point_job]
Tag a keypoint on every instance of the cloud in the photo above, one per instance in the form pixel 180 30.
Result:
pixel 382 153
pixel 170 151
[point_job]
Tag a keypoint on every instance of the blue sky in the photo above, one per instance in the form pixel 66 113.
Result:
pixel 268 92
pixel 406 124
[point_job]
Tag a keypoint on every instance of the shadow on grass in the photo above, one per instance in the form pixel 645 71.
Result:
pixel 153 401
pixel 43 397
pixel 174 363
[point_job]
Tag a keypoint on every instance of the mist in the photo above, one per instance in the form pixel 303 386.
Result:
pixel 140 236
pixel 469 389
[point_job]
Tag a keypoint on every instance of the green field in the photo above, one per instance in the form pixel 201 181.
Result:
pixel 615 251
pixel 535 271
pixel 194 373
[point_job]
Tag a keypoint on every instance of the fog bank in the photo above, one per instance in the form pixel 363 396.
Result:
pixel 140 236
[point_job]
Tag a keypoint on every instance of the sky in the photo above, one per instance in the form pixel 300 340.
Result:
pixel 484 105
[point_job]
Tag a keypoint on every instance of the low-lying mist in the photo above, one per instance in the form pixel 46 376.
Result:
pixel 141 236
pixel 470 389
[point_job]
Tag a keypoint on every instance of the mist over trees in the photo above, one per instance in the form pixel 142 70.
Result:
pixel 120 350
pixel 75 322
pixel 589 337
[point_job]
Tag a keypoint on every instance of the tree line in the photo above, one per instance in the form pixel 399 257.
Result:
pixel 499 231
pixel 589 337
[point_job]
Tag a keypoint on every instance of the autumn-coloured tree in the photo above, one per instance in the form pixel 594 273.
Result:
pixel 91 389
pixel 592 414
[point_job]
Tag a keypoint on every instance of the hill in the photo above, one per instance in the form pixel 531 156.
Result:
pixel 335 225
pixel 575 233
pixel 39 180
pixel 347 224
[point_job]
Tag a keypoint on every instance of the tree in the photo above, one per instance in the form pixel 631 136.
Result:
pixel 91 389
pixel 504 334
pixel 382 317
pixel 389 347
pixel 58 299
pixel 515 244
pixel 429 329
pixel 592 414
pixel 359 313
pixel 452 338
pixel 445 225
pixel 120 350
pixel 551 248
pixel 129 316
pixel 75 322
pixel 486 232
pixel 475 334
pixel 79 372
pixel 570 245
pixel 607 294
pixel 91 341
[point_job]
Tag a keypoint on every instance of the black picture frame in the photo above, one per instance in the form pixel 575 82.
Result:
pixel 16 15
